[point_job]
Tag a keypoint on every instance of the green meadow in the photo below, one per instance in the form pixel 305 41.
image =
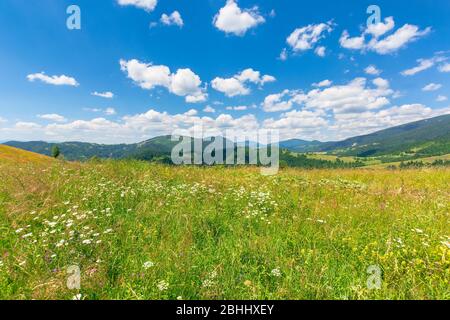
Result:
pixel 135 230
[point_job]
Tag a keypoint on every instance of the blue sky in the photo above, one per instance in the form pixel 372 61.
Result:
pixel 241 65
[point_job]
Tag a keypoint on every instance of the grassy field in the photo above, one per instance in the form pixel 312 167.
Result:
pixel 144 231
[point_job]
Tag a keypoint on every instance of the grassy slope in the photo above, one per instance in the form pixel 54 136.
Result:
pixel 397 163
pixel 220 233
pixel 12 155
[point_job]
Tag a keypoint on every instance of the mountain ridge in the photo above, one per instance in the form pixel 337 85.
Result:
pixel 426 137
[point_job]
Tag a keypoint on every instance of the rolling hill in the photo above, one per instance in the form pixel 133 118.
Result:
pixel 425 138
pixel 430 137
pixel 13 155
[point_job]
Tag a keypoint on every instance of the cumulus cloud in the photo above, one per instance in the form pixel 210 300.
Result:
pixel 406 34
pixel 372 70
pixel 282 101
pixel 445 67
pixel 432 87
pixel 356 96
pixel 110 111
pixel 320 51
pixel 297 121
pixel 173 19
pixel 379 29
pixel 231 19
pixel 324 83
pixel 315 123
pixel 106 95
pixel 305 38
pixel 21 125
pixel 52 117
pixel 355 43
pixel 441 98
pixel 184 82
pixel 53 80
pixel 387 45
pixel 237 85
pixel 209 109
pixel 147 5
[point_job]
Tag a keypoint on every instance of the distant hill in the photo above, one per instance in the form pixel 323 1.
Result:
pixel 298 145
pixel 14 155
pixel 426 138
pixel 430 137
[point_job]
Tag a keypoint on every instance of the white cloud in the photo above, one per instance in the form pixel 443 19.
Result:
pixel 173 19
pixel 305 38
pixel 110 111
pixel 237 108
pixel 183 83
pixel 209 109
pixel 354 43
pixel 281 101
pixel 237 85
pixel 372 70
pixel 309 124
pixel 283 55
pixel 399 39
pixel 53 80
pixel 3 120
pixel 432 87
pixel 445 67
pixel 148 5
pixel 237 21
pixel 379 29
pixel 230 87
pixel 389 44
pixel 441 98
pixel 423 64
pixel 324 83
pixel 294 123
pixel 354 97
pixel 320 51
pixel 53 117
pixel 26 125
pixel 106 95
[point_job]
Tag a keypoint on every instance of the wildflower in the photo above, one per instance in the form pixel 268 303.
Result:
pixel 276 272
pixel 163 285
pixel 148 265
pixel 87 241
pixel 27 235
pixel 208 283
pixel 77 297
pixel 247 283
pixel 60 243
pixel 179 298
pixel 19 230
pixel 108 231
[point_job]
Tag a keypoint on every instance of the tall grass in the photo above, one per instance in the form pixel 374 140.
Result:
pixel 143 231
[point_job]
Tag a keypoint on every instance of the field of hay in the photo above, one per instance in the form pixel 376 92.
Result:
pixel 144 231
